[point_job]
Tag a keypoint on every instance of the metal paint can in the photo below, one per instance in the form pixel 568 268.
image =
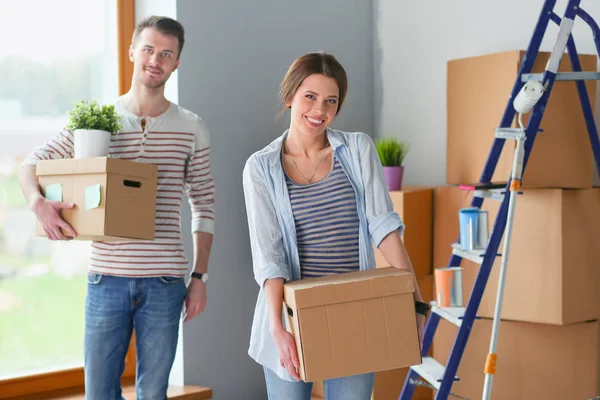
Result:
pixel 483 233
pixel 448 287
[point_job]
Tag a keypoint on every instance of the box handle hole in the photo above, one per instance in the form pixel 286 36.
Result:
pixel 135 184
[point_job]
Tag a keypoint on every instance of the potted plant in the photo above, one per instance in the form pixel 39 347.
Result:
pixel 391 153
pixel 92 126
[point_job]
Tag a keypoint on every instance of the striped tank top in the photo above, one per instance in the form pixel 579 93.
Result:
pixel 326 224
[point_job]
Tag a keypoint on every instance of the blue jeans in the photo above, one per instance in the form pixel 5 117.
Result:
pixel 357 387
pixel 114 306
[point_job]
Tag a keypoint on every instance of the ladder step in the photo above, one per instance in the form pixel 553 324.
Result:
pixel 454 315
pixel 564 76
pixel 431 371
pixel 472 255
pixel 510 133
pixel 493 194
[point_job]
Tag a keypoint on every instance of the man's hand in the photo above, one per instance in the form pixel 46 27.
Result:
pixel 195 301
pixel 48 213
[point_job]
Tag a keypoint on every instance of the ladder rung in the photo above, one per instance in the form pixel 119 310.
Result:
pixel 472 255
pixel 564 76
pixel 454 315
pixel 431 371
pixel 510 133
pixel 495 194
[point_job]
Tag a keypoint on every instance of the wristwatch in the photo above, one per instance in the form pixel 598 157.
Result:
pixel 203 277
pixel 422 308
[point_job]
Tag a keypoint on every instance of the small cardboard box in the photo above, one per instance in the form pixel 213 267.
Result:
pixel 414 205
pixel 114 199
pixel 353 323
pixel 388 384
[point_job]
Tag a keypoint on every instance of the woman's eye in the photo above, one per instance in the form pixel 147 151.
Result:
pixel 332 101
pixel 310 96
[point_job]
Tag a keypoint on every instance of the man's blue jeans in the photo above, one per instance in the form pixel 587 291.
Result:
pixel 114 306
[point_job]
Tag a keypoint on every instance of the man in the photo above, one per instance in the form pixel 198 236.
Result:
pixel 140 284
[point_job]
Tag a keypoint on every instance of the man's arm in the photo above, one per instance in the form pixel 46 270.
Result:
pixel 202 245
pixel 200 189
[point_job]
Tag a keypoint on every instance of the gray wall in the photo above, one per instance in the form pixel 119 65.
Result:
pixel 234 58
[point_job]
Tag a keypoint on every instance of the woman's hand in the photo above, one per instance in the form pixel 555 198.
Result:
pixel 286 348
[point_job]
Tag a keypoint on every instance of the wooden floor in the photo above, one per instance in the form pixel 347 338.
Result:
pixel 174 392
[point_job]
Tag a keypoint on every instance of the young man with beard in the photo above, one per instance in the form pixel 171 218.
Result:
pixel 140 284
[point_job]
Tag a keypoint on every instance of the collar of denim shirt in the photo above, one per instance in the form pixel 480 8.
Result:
pixel 273 152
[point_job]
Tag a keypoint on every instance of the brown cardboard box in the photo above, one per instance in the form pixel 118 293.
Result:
pixel 477 94
pixel 120 194
pixel 414 205
pixel 553 273
pixel 535 361
pixel 388 384
pixel 353 323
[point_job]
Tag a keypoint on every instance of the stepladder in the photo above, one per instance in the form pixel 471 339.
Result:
pixel 530 94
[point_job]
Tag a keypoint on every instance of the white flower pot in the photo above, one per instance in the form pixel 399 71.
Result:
pixel 91 143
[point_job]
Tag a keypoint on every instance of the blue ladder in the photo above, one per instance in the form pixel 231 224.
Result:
pixel 436 375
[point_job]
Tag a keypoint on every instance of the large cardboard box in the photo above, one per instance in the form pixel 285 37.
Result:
pixel 553 269
pixel 478 89
pixel 114 199
pixel 535 361
pixel 414 205
pixel 353 323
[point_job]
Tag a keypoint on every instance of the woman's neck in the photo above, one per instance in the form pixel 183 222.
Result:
pixel 305 145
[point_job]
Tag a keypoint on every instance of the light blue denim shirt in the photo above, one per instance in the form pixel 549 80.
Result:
pixel 272 230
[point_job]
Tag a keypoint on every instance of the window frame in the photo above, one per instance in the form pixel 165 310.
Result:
pixel 41 386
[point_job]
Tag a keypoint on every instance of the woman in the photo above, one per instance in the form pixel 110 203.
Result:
pixel 316 198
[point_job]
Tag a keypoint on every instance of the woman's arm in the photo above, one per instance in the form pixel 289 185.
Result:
pixel 286 346
pixel 395 253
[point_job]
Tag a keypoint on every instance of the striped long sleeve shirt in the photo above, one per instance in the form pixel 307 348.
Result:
pixel 178 143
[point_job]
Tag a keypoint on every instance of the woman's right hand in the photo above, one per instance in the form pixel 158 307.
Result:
pixel 286 348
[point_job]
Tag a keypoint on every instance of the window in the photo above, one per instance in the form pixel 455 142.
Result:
pixel 54 54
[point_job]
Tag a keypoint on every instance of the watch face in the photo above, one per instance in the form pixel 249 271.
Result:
pixel 204 278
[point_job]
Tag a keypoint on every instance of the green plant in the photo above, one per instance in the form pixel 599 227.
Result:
pixel 86 115
pixel 391 151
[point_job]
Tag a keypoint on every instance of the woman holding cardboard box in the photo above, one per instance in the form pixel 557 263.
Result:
pixel 315 198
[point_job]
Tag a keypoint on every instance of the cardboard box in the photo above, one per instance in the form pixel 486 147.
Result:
pixel 414 205
pixel 535 361
pixel 353 323
pixel 477 95
pixel 114 199
pixel 388 384
pixel 553 273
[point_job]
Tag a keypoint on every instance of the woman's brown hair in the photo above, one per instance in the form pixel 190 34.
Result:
pixel 309 64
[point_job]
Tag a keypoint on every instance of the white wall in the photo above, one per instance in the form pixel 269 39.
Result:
pixel 414 43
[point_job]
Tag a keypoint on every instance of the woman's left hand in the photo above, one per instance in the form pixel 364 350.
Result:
pixel 420 327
